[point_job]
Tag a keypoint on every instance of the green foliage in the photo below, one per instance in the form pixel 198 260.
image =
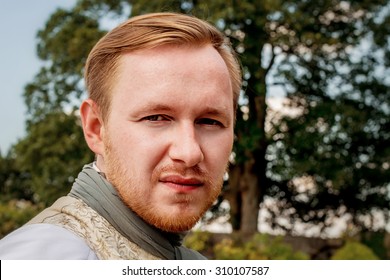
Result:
pixel 14 183
pixel 198 240
pixel 63 44
pixel 259 247
pixel 353 250
pixel 228 250
pixel 376 242
pixel 52 155
pixel 16 213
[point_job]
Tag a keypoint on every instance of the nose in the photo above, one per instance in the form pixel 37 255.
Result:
pixel 185 146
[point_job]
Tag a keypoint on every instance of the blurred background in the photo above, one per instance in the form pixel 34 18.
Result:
pixel 310 171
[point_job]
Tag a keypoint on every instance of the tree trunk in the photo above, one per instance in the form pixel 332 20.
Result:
pixel 250 199
pixel 243 197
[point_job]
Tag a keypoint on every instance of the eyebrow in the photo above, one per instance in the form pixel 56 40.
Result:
pixel 218 112
pixel 151 108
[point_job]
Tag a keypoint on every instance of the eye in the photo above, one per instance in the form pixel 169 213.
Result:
pixel 210 122
pixel 155 118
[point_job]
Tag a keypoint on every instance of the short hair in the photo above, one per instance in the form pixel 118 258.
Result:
pixel 146 32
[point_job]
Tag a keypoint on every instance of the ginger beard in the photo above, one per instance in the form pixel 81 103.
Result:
pixel 137 193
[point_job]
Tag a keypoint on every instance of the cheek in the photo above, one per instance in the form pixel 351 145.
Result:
pixel 218 152
pixel 140 150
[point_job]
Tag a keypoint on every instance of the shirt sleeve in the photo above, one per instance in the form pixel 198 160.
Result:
pixel 44 242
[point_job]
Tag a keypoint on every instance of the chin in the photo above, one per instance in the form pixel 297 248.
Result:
pixel 176 221
pixel 176 228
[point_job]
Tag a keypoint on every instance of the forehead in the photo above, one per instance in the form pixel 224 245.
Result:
pixel 169 59
pixel 172 73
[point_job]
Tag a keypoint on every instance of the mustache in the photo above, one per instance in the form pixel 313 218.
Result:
pixel 194 171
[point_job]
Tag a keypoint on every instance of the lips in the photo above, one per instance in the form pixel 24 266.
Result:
pixel 181 183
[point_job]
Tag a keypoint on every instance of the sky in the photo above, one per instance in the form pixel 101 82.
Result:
pixel 20 21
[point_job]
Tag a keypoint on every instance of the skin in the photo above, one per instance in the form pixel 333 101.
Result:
pixel 167 139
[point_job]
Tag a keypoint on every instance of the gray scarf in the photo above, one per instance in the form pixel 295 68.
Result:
pixel 92 187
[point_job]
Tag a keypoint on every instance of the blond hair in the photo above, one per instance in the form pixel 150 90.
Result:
pixel 146 32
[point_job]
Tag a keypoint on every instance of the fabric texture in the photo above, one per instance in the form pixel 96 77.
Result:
pixel 101 237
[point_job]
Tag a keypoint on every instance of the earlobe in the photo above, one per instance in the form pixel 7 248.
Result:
pixel 92 125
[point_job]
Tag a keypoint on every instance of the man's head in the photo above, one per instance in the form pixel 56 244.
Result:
pixel 163 91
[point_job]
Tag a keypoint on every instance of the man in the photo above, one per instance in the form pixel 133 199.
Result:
pixel 163 89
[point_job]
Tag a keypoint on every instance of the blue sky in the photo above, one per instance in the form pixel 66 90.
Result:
pixel 20 21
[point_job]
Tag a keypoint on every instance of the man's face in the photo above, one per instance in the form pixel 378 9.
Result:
pixel 169 133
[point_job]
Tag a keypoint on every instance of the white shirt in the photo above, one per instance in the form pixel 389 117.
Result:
pixel 44 242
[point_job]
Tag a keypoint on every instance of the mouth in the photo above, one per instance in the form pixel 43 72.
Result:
pixel 181 184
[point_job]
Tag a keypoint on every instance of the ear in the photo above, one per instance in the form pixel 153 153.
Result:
pixel 92 126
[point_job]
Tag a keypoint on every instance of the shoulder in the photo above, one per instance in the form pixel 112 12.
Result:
pixel 44 242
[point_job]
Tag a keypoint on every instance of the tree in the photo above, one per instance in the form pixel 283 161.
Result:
pixel 63 46
pixel 303 45
pixel 339 143
pixel 17 196
pixel 52 154
pixel 13 182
